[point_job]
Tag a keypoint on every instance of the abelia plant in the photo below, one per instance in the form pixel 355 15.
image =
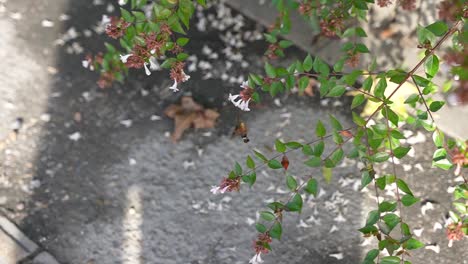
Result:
pixel 375 139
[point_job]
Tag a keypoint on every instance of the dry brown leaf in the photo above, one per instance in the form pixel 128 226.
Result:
pixel 189 114
pixel 309 90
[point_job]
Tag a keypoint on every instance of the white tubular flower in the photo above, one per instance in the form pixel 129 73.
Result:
pixel 186 77
pixel 105 20
pixel 245 85
pixel 85 63
pixel 174 87
pixel 147 71
pixel 218 189
pixel 124 58
pixel 242 99
pixel 122 2
pixel 256 259
pixel 154 65
pixel 241 104
pixel 214 189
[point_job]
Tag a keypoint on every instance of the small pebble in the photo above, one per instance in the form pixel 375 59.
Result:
pixel 47 23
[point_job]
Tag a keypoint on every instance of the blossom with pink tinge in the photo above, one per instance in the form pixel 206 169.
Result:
pixel 256 259
pixel 242 99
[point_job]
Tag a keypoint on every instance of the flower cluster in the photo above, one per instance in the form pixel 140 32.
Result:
pixel 353 59
pixel 305 8
pixel 261 245
pixel 408 4
pixel 116 28
pixel 178 75
pixel 454 233
pixel 144 55
pixel 272 50
pixel 384 3
pixel 242 99
pixel 227 185
pixel 450 10
pixel 105 80
pixel 332 25
pixel 459 158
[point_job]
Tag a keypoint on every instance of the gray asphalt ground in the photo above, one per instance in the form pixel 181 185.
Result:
pixel 127 194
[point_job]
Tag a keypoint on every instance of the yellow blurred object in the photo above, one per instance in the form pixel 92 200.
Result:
pixel 398 98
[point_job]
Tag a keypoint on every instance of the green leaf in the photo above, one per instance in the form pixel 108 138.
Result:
pixel 314 162
pixel 436 105
pixel 280 146
pixel 381 182
pixel 295 205
pixel 312 187
pixel 250 162
pixel 380 157
pixel 201 2
pixel 307 64
pixel 392 116
pixel 274 164
pixel 320 130
pixel 327 174
pixel 390 260
pixel 250 178
pixel 321 67
pixel 285 44
pixel 408 200
pixel 293 145
pixel 182 56
pixel 365 179
pixel 260 228
pixel 260 156
pixel 360 32
pixel 400 152
pixel 403 186
pixel 291 182
pixel 444 164
pixel 318 149
pixel 412 99
pixel 335 123
pixel 462 208
pixel 371 255
pixel 303 83
pixel 425 35
pixel 387 206
pixel 413 244
pixel 237 169
pixel 358 120
pixel 438 28
pixel 438 138
pixel 126 15
pixel 337 91
pixel 270 70
pixel 372 217
pixel 431 66
pixel 182 41
pixel 379 90
pixel 267 216
pixel 391 220
pixel 358 100
pixel 367 84
pixel 276 230
pixel 362 48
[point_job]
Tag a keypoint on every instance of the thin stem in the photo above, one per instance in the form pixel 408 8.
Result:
pixel 394 174
pixel 428 110
pixel 290 150
pixel 410 74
